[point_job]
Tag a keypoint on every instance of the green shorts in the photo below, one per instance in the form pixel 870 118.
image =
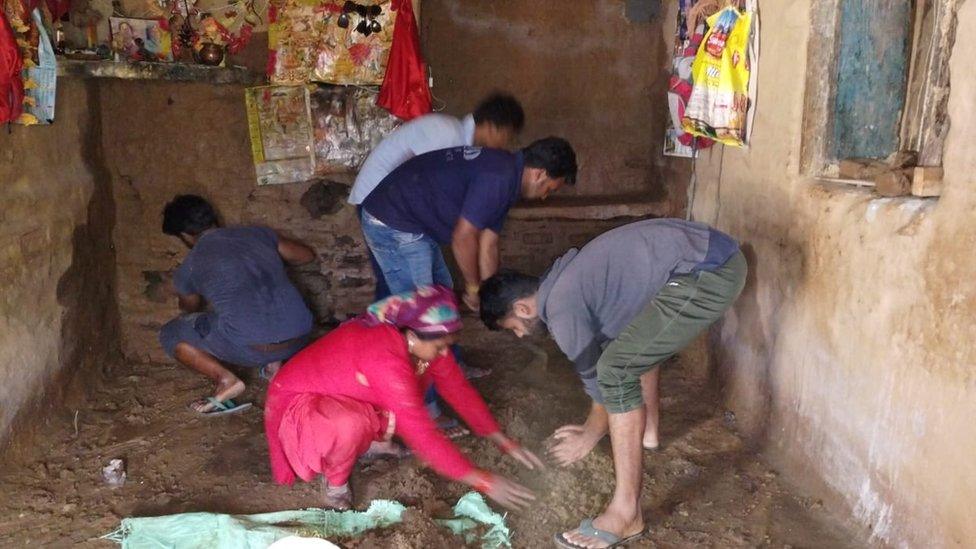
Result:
pixel 684 307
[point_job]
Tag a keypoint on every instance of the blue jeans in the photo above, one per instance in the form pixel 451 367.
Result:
pixel 407 260
pixel 382 290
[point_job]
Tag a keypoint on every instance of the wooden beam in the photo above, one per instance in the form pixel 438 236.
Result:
pixel 927 181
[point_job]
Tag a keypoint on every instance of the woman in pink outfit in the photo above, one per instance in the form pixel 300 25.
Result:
pixel 349 392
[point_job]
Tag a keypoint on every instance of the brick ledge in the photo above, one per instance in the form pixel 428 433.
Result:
pixel 590 207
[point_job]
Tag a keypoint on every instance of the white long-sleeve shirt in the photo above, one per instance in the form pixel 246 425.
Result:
pixel 430 132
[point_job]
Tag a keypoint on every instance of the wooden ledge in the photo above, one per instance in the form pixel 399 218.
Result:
pixel 174 72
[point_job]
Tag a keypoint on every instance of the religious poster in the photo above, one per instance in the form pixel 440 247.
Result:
pixel 347 124
pixel 329 41
pixel 280 123
pixel 141 39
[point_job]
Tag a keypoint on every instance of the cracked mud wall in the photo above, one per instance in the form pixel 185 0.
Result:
pixel 850 353
pixel 58 314
pixel 582 70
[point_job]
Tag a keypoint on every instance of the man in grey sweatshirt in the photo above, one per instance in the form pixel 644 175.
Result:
pixel 618 308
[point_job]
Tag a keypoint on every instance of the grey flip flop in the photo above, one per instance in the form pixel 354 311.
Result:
pixel 222 408
pixel 587 529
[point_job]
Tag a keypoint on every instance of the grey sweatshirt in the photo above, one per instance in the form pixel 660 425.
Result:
pixel 588 296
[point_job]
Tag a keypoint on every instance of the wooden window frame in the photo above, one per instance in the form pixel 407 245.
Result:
pixel 924 121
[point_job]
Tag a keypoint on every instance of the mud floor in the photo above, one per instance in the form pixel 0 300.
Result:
pixel 703 489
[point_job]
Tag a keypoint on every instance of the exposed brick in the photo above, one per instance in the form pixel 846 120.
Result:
pixel 354 282
pixel 345 242
pixel 352 260
pixel 536 238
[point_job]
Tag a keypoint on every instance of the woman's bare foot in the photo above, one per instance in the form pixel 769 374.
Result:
pixel 385 448
pixel 227 388
pixel 336 497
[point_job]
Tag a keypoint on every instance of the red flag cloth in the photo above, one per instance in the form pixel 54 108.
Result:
pixel 11 84
pixel 58 8
pixel 404 91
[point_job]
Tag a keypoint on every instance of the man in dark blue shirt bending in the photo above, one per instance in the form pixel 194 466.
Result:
pixel 458 196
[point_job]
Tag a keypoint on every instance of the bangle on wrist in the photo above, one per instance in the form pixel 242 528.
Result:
pixel 472 288
pixel 482 481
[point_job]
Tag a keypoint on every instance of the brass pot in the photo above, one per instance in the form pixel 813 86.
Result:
pixel 210 54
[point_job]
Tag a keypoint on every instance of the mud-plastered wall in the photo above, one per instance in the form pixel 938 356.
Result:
pixel 58 315
pixel 851 349
pixel 582 70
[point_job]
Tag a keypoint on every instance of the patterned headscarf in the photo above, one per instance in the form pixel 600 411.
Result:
pixel 429 311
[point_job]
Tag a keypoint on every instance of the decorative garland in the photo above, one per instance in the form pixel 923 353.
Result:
pixel 197 27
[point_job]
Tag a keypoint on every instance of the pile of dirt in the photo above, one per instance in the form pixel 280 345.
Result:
pixel 703 487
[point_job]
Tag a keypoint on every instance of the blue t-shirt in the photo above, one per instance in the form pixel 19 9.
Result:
pixel 429 193
pixel 241 275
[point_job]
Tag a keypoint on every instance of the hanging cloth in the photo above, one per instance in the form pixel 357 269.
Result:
pixel 58 8
pixel 11 64
pixel 404 92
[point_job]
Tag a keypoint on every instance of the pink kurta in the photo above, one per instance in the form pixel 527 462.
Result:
pixel 356 373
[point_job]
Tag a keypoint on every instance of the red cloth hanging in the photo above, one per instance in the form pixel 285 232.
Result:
pixel 404 91
pixel 58 8
pixel 11 84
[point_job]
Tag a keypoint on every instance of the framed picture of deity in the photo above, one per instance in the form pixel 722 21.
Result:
pixel 141 39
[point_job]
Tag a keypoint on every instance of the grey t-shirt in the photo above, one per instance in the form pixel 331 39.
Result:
pixel 241 275
pixel 589 296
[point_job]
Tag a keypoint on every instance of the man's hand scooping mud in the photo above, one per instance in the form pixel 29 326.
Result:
pixel 572 443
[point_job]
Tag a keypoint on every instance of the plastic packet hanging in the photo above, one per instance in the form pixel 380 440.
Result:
pixel 719 103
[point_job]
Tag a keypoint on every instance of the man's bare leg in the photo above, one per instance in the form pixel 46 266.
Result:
pixel 623 515
pixel 649 389
pixel 226 384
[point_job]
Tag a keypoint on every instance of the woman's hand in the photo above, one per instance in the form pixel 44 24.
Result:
pixel 506 493
pixel 517 451
pixel 573 443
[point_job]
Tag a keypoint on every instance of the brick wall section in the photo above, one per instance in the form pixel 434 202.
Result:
pixel 192 138
pixel 531 245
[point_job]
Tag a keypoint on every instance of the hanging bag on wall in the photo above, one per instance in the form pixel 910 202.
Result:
pixel 719 104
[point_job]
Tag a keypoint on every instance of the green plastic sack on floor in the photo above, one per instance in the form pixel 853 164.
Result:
pixel 472 509
pixel 218 531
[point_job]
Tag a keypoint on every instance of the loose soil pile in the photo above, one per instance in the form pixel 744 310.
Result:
pixel 702 488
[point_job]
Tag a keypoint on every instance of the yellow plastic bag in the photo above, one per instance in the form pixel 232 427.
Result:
pixel 719 102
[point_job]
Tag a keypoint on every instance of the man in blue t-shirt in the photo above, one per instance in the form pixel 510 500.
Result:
pixel 458 196
pixel 240 308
